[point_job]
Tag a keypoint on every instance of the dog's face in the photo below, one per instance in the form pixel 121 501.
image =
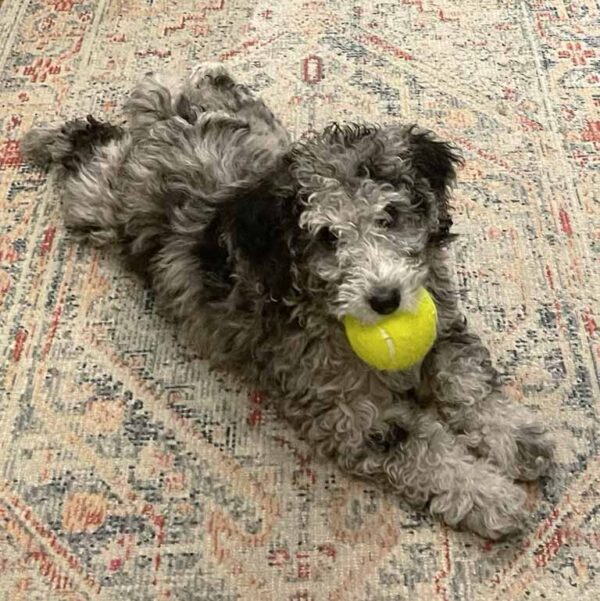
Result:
pixel 368 206
pixel 374 205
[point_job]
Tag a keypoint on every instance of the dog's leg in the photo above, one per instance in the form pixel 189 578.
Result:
pixel 211 87
pixel 458 373
pixel 87 155
pixel 156 98
pixel 417 455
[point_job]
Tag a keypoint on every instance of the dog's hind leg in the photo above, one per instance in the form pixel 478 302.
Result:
pixel 157 98
pixel 211 87
pixel 86 155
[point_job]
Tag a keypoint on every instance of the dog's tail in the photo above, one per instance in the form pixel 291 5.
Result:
pixel 69 145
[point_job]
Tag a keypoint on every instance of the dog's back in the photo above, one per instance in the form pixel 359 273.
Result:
pixel 175 188
pixel 186 147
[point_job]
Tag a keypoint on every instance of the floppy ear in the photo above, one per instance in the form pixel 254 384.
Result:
pixel 263 229
pixel 433 159
pixel 409 155
pixel 436 162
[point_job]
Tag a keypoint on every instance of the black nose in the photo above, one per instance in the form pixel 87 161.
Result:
pixel 385 302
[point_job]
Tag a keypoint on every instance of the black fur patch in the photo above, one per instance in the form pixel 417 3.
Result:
pixel 185 109
pixel 263 222
pixel 214 260
pixel 391 438
pixel 435 160
pixel 443 236
pixel 347 134
pixel 223 80
pixel 139 261
pixel 85 137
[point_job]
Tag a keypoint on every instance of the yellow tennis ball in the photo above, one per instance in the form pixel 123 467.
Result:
pixel 396 342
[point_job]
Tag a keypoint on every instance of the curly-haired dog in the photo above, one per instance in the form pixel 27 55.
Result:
pixel 260 246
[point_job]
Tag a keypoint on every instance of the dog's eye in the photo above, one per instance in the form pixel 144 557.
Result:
pixel 389 218
pixel 327 237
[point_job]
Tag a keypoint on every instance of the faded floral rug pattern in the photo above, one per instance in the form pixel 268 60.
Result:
pixel 128 470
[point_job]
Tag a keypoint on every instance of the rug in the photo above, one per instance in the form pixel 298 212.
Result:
pixel 129 470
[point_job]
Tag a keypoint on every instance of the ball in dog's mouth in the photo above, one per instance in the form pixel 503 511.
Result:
pixel 399 341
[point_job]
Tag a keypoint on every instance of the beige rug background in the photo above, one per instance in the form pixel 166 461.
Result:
pixel 129 471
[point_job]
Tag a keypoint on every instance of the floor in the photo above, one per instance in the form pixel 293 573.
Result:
pixel 128 470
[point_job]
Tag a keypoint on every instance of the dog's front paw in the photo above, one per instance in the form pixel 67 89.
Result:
pixel 487 504
pixel 519 444
pixel 495 517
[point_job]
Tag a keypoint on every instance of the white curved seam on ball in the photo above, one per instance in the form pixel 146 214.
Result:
pixel 389 341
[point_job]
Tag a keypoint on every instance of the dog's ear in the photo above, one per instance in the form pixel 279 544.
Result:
pixel 436 162
pixel 395 150
pixel 416 157
pixel 263 229
pixel 433 159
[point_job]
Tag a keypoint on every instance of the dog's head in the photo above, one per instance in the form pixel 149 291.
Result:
pixel 356 225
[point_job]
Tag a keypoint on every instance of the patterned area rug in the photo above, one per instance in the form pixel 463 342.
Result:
pixel 131 471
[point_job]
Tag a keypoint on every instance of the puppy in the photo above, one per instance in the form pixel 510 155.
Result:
pixel 259 246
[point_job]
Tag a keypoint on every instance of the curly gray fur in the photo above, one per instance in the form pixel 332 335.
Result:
pixel 260 245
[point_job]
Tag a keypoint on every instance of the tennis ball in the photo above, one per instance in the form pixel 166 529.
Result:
pixel 396 342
